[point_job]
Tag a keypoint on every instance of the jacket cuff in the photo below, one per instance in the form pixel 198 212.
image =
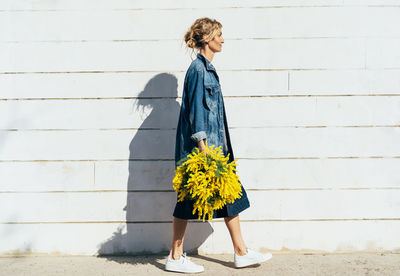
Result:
pixel 198 136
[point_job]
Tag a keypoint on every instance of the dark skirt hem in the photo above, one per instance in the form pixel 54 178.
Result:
pixel 184 209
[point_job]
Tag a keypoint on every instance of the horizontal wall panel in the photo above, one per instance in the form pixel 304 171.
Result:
pixel 353 173
pixel 336 53
pixel 87 145
pixel 138 24
pixel 311 236
pixel 316 142
pixel 10 5
pixel 155 4
pixel 164 113
pixel 350 82
pixel 233 83
pixel 99 238
pixel 90 114
pixel 98 85
pixel 159 206
pixel 46 176
pixel 208 237
pixel 135 84
pixel 160 144
pixel 98 206
pixel 371 2
pixel 157 175
pixel 313 111
pixel 86 176
pixel 92 56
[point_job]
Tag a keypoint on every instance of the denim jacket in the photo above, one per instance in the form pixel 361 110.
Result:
pixel 202 114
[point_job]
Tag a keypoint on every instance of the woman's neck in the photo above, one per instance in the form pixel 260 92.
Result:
pixel 207 53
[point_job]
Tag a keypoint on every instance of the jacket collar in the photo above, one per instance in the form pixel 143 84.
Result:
pixel 206 62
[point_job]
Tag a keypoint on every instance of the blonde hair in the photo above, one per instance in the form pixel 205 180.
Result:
pixel 194 37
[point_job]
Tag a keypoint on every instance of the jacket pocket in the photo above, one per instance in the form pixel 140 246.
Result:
pixel 212 94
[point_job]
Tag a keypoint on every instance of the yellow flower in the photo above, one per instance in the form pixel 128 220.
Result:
pixel 208 179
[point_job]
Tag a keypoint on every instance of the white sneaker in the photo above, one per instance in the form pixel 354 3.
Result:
pixel 252 257
pixel 183 264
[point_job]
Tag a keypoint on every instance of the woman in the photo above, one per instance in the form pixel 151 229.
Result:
pixel 203 118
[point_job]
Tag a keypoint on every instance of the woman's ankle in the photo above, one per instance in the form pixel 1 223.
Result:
pixel 176 255
pixel 241 251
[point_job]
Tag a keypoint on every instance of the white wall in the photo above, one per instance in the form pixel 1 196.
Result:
pixel 312 95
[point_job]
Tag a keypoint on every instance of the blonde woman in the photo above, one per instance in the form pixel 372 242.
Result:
pixel 202 118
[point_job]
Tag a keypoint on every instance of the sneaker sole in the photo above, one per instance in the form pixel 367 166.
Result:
pixel 177 270
pixel 239 265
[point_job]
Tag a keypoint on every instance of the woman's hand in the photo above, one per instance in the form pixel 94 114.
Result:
pixel 202 147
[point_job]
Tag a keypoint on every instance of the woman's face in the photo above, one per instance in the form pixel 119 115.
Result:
pixel 216 44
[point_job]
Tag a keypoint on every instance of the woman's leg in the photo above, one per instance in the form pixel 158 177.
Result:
pixel 178 228
pixel 233 225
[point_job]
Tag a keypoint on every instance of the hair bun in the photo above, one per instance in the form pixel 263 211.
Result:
pixel 201 27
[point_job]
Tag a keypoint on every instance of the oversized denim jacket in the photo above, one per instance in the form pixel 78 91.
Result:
pixel 202 114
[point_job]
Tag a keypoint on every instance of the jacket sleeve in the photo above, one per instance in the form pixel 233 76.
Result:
pixel 197 112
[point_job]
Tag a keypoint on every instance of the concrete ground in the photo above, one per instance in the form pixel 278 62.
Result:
pixel 280 264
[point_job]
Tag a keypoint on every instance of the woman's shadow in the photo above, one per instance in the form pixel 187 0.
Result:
pixel 150 196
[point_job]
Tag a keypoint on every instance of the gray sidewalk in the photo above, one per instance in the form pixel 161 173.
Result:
pixel 280 264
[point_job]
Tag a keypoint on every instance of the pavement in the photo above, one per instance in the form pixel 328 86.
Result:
pixel 280 264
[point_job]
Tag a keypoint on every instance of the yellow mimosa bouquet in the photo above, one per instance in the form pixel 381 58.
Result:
pixel 208 179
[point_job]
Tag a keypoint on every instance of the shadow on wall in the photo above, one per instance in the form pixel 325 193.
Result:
pixel 151 198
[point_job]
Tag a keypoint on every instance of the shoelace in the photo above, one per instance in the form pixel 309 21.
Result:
pixel 185 258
